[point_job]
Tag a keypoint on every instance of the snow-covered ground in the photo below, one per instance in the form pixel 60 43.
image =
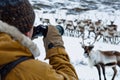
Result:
pixel 72 44
pixel 75 51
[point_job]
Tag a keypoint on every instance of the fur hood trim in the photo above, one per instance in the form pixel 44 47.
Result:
pixel 17 35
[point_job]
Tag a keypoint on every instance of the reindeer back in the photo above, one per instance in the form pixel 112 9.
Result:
pixel 108 53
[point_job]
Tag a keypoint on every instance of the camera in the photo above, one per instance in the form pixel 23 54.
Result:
pixel 41 30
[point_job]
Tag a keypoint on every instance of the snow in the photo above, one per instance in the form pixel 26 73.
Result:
pixel 73 46
pixel 75 51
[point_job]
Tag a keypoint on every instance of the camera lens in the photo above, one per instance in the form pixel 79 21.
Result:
pixel 60 29
pixel 41 30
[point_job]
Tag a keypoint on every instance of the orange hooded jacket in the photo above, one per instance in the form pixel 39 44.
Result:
pixel 13 45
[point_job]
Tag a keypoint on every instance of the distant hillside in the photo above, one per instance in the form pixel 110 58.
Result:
pixel 76 6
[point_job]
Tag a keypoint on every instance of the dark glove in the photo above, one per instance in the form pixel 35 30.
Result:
pixel 53 38
pixel 40 30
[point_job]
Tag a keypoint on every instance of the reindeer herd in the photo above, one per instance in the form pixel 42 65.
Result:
pixel 99 30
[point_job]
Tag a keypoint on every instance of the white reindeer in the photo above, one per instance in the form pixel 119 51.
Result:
pixel 101 59
pixel 69 27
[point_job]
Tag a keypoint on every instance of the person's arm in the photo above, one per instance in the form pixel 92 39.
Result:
pixel 58 56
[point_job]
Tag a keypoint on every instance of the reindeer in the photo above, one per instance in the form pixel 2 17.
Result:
pixel 60 21
pixel 117 36
pixel 110 33
pixel 91 28
pixel 99 29
pixel 80 28
pixel 45 21
pixel 69 27
pixel 101 59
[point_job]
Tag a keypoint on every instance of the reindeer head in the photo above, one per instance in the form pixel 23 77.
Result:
pixel 112 22
pixel 87 49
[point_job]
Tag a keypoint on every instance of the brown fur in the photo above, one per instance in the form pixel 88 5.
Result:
pixel 98 22
pixel 110 53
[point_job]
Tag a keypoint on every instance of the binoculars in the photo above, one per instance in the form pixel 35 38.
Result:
pixel 41 30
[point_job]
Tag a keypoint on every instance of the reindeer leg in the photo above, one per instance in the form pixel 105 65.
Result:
pixel 98 68
pixel 99 38
pixel 81 33
pixel 103 69
pixel 72 33
pixel 96 36
pixel 105 39
pixel 94 33
pixel 118 63
pixel 115 72
pixel 89 34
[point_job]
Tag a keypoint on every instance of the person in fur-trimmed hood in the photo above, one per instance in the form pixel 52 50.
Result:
pixel 18 52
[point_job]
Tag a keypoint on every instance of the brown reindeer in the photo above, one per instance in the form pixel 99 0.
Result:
pixel 91 28
pixel 101 59
pixel 80 27
pixel 110 33
pixel 99 29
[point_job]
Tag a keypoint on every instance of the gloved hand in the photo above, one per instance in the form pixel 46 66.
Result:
pixel 53 38
pixel 40 30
